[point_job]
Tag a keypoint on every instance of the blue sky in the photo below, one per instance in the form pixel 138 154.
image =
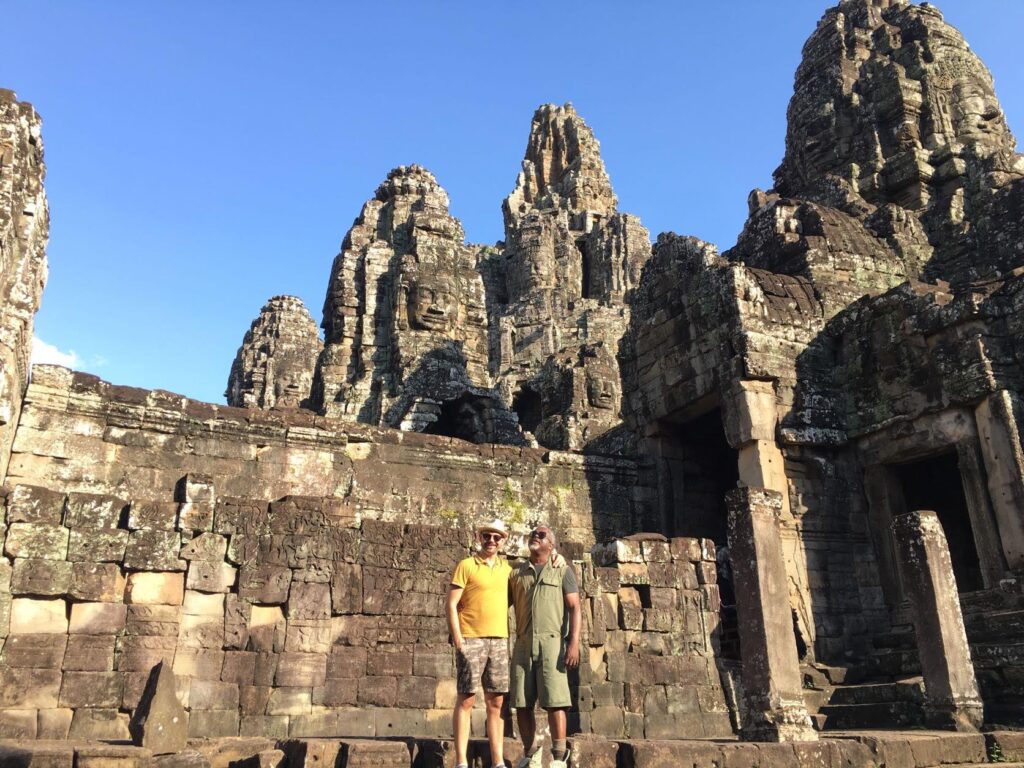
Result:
pixel 204 156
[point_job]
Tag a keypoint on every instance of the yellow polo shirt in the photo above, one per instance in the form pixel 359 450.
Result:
pixel 483 607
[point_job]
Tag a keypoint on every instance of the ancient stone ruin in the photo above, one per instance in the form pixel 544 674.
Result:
pixel 789 474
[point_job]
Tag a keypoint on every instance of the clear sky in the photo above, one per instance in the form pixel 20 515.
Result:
pixel 204 155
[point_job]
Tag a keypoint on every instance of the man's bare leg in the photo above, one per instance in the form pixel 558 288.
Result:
pixel 527 722
pixel 495 727
pixel 557 724
pixel 461 719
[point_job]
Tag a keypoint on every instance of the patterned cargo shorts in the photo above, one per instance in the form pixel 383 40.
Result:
pixel 482 658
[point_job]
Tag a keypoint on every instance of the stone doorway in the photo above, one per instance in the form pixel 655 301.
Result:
pixel 529 406
pixel 935 484
pixel 703 467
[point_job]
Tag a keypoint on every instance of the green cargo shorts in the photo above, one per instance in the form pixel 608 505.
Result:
pixel 538 673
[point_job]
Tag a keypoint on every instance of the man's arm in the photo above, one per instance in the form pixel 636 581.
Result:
pixel 572 653
pixel 452 614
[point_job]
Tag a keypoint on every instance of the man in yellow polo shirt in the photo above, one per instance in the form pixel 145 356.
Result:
pixel 477 612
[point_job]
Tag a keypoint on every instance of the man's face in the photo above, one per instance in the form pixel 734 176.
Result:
pixel 490 542
pixel 542 540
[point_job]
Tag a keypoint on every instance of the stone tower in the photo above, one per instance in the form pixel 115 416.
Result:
pixel 274 366
pixel 559 286
pixel 24 231
pixel 405 320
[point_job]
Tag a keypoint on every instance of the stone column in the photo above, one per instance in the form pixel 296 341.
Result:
pixel 952 701
pixel 772 683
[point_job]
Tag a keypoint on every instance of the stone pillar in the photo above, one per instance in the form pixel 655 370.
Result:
pixel 951 691
pixel 1000 443
pixel 772 683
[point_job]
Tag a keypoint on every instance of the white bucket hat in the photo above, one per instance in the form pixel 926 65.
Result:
pixel 495 526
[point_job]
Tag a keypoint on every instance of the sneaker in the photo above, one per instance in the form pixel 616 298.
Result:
pixel 563 763
pixel 531 762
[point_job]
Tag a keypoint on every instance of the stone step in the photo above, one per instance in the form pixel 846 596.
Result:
pixel 889 714
pixel 909 690
pixel 892 664
pixel 894 640
pixel 996 625
pixel 815 699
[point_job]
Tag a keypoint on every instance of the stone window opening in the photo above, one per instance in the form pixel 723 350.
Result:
pixel 584 271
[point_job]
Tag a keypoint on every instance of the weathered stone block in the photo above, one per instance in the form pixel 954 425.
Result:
pixel 97 546
pixel 378 691
pixel 290 701
pixel 270 726
pixel 336 723
pixel 98 724
pixel 685 549
pixel 36 540
pixel 111 756
pixel 239 667
pixel 29 504
pixel 98 618
pixel 29 688
pixel 160 515
pixel 309 601
pixel 142 653
pixel 266 628
pixel 195 516
pixel 18 724
pixel 201 663
pixel 93 511
pixel 153 550
pixel 38 616
pixel 202 604
pixel 339 692
pixel 89 653
pixel 53 724
pixel 40 577
pixel 347 589
pixel 154 620
pixel 155 588
pixel 212 723
pixel 656 551
pixel 100 582
pixel 207 547
pixel 265 584
pixel 210 577
pixel 301 669
pixel 201 632
pixel 212 694
pixel 45 651
pixel 309 636
pixel 237 613
pixel 91 689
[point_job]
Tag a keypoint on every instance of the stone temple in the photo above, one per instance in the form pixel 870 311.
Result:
pixel 789 474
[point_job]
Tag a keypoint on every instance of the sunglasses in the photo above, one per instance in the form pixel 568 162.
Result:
pixel 491 536
pixel 538 534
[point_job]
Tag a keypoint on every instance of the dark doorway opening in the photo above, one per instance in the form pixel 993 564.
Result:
pixel 463 419
pixel 701 468
pixel 935 484
pixel 529 406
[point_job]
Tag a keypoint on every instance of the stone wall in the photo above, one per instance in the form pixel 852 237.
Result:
pixel 82 434
pixel 293 619
pixel 24 230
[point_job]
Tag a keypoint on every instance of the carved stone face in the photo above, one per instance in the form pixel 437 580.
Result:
pixel 289 391
pixel 600 390
pixel 979 110
pixel 431 306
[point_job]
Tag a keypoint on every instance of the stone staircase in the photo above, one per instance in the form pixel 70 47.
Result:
pixel 839 698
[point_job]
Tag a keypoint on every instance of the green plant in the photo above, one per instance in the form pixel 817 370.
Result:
pixel 447 513
pixel 995 752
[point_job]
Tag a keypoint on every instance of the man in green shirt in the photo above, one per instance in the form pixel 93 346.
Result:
pixel 546 599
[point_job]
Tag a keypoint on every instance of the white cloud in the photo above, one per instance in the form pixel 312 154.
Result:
pixel 50 355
